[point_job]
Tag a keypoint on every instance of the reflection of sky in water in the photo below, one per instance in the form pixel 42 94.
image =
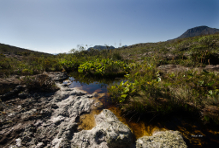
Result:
pixel 90 88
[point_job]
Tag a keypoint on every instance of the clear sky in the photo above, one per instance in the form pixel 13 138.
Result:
pixel 56 26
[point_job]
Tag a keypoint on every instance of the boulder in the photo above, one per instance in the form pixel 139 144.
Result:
pixel 162 139
pixel 109 132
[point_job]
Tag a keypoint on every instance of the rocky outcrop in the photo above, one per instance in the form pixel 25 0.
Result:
pixel 50 120
pixel 43 120
pixel 162 139
pixel 109 132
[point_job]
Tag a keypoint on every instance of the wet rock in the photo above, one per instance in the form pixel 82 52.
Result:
pixel 162 139
pixel 108 132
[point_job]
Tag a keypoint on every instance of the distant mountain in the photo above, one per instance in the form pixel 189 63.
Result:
pixel 100 47
pixel 197 31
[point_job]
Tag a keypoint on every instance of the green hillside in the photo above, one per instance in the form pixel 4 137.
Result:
pixel 172 77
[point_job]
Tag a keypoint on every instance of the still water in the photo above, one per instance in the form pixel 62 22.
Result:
pixel 194 132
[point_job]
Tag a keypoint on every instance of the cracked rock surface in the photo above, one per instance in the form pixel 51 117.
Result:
pixel 41 121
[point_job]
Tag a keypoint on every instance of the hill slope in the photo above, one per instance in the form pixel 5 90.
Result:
pixel 17 50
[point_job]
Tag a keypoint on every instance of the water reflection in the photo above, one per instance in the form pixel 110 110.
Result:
pixel 194 132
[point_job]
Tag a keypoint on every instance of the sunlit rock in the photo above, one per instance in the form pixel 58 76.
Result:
pixel 162 139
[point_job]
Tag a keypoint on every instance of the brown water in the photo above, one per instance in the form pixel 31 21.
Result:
pixel 194 132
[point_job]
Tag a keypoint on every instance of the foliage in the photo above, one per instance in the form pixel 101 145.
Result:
pixel 104 67
pixel 122 91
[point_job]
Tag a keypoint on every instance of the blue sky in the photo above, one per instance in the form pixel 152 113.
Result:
pixel 56 26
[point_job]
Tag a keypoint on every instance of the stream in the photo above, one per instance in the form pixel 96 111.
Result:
pixel 194 132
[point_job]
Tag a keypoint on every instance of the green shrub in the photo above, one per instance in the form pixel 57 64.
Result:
pixel 123 91
pixel 104 67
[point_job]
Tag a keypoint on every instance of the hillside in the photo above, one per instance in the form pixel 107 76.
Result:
pixel 20 61
pixel 197 31
pixel 8 49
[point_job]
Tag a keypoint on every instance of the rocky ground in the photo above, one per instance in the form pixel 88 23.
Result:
pixel 36 119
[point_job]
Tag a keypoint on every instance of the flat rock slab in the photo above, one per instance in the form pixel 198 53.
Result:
pixel 162 139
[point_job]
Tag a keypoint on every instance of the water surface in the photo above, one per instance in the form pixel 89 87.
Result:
pixel 194 132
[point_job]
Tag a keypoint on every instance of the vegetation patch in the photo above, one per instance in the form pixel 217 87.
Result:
pixel 41 82
pixel 104 67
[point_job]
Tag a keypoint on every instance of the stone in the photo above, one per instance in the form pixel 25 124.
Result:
pixel 162 139
pixel 108 132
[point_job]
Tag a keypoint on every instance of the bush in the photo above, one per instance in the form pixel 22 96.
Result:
pixel 104 67
pixel 41 82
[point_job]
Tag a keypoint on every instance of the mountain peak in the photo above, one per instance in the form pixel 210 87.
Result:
pixel 197 31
